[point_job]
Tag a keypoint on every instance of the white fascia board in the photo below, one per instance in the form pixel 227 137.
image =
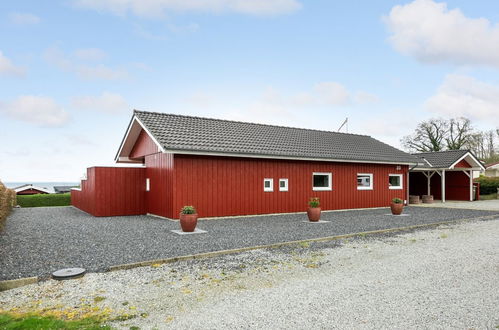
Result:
pixel 223 154
pixel 468 154
pixel 119 158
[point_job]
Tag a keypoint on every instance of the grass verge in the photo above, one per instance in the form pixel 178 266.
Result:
pixel 44 200
pixel 10 322
pixel 488 197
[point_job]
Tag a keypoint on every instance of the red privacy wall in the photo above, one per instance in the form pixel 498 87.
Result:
pixel 111 191
pixel 223 186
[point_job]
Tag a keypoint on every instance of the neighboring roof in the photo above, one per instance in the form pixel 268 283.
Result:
pixel 29 187
pixel 492 165
pixel 59 189
pixel 446 159
pixel 196 135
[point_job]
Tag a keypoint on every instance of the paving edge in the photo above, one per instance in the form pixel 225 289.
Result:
pixel 12 284
pixel 277 245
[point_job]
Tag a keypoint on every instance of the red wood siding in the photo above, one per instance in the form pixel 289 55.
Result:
pixel 111 191
pixel 463 164
pixel 159 170
pixel 143 146
pixel 220 186
pixel 31 192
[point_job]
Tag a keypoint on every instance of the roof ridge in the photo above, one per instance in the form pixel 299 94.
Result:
pixel 246 122
pixel 433 152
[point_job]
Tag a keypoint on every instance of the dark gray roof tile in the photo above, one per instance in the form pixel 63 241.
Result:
pixel 187 133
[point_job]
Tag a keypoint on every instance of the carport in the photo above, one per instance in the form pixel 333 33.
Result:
pixel 447 175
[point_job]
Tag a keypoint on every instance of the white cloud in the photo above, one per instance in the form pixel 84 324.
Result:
pixel 106 102
pixel 23 19
pixel 56 57
pixel 432 33
pixel 90 54
pixel 158 8
pixel 8 68
pixel 466 96
pixel 331 93
pixel 39 110
pixel 366 98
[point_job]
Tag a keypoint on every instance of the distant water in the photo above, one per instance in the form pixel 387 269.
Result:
pixel 47 185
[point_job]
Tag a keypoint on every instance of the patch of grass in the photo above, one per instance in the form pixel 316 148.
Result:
pixel 488 197
pixel 304 245
pixel 44 200
pixel 10 322
pixel 443 236
pixel 99 299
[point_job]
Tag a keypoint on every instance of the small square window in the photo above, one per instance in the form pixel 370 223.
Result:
pixel 364 181
pixel 283 184
pixel 395 181
pixel 322 181
pixel 268 184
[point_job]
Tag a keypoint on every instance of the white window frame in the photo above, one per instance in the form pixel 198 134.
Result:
pixel 148 184
pixel 285 188
pixel 330 181
pixel 401 176
pixel 371 180
pixel 271 188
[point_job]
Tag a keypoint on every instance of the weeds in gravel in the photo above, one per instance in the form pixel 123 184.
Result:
pixel 412 240
pixel 27 321
pixel 304 245
pixel 443 236
pixel 99 299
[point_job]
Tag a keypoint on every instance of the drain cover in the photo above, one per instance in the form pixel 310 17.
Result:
pixel 68 273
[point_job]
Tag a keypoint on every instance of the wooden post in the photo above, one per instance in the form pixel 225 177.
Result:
pixel 443 186
pixel 428 177
pixel 471 185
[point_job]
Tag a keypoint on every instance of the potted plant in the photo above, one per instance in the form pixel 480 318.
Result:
pixel 397 206
pixel 188 218
pixel 314 210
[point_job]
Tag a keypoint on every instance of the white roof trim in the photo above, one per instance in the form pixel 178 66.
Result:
pixel 133 128
pixel 469 154
pixel 244 155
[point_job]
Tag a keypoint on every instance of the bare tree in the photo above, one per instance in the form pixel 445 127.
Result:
pixel 428 136
pixel 459 133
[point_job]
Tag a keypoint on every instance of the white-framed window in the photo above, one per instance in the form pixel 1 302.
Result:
pixel 364 181
pixel 268 184
pixel 283 184
pixel 322 181
pixel 148 184
pixel 395 181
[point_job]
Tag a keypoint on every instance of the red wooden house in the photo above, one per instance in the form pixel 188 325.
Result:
pixel 229 168
pixel 30 189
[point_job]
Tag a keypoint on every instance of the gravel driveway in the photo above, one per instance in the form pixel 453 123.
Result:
pixel 446 278
pixel 38 241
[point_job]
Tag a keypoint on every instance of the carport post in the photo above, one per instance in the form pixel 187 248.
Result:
pixel 428 177
pixel 443 186
pixel 471 185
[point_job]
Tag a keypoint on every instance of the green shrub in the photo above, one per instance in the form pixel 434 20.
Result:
pixel 7 201
pixel 188 210
pixel 44 200
pixel 314 202
pixel 488 185
pixel 397 200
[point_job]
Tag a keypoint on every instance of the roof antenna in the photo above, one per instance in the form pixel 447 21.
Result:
pixel 345 123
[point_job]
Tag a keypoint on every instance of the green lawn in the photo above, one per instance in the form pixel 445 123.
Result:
pixel 488 197
pixel 44 200
pixel 9 322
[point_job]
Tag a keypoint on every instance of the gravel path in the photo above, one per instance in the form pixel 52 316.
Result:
pixel 444 278
pixel 38 241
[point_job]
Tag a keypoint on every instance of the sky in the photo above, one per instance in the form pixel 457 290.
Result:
pixel 72 71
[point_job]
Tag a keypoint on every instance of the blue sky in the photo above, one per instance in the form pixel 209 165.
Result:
pixel 71 71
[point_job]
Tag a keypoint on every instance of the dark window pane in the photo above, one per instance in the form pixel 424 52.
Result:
pixel 394 181
pixel 321 181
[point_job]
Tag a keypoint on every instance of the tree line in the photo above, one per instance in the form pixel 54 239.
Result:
pixel 439 134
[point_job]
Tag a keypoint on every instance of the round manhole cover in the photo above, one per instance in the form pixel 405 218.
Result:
pixel 68 273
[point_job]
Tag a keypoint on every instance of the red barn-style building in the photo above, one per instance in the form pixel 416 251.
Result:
pixel 230 168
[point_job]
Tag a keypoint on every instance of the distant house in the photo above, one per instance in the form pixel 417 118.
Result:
pixel 63 189
pixel 492 170
pixel 30 189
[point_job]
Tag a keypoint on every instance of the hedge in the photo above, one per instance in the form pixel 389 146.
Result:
pixel 44 200
pixel 7 201
pixel 488 185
